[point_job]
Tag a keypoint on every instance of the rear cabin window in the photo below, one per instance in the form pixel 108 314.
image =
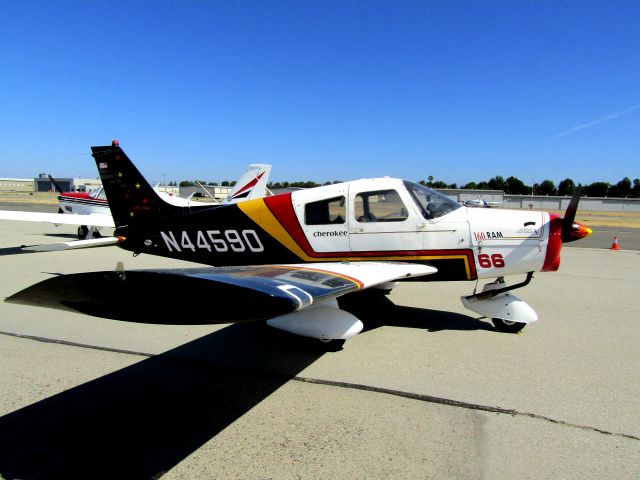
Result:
pixel 380 206
pixel 325 212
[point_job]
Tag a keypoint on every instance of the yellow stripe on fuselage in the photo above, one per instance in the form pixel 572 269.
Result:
pixel 258 211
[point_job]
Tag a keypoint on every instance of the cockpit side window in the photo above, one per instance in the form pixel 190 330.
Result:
pixel 431 203
pixel 379 206
pixel 325 212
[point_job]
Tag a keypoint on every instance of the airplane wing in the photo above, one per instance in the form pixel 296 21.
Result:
pixel 198 296
pixel 93 219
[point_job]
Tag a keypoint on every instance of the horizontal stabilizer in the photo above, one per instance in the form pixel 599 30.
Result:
pixel 55 247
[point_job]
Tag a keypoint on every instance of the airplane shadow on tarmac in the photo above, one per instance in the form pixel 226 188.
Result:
pixel 142 420
pixel 66 236
pixel 6 251
pixel 376 310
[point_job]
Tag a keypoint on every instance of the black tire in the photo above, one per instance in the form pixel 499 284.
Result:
pixel 507 326
pixel 82 231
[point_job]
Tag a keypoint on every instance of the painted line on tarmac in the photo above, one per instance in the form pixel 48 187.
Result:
pixel 356 386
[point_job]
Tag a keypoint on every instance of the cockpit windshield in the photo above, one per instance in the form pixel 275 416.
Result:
pixel 431 203
pixel 98 193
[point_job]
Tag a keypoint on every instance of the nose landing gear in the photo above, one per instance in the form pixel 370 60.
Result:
pixel 507 312
pixel 507 326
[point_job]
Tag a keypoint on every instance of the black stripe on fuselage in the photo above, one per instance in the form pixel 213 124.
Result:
pixel 84 201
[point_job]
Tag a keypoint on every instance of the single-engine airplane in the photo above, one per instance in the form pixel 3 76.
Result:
pixel 286 258
pixel 481 203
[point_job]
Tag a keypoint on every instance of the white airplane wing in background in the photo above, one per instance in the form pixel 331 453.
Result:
pixel 94 219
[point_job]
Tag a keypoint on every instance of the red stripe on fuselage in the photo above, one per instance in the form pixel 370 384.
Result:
pixel 281 207
pixel 80 198
pixel 75 195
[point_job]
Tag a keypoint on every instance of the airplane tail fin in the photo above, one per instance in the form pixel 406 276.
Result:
pixel 252 184
pixel 131 198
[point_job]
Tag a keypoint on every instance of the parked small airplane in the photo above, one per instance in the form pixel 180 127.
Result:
pixel 91 211
pixel 481 202
pixel 286 258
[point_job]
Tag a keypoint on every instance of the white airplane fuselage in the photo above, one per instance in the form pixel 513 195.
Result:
pixel 495 242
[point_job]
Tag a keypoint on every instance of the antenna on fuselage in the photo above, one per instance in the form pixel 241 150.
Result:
pixel 207 192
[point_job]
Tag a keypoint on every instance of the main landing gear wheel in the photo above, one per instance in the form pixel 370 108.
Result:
pixel 82 231
pixel 507 325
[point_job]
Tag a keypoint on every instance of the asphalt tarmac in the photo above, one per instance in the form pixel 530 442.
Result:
pixel 428 390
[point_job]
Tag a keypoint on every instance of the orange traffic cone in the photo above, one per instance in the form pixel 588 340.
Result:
pixel 614 245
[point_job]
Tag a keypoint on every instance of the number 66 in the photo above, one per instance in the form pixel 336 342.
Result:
pixel 496 260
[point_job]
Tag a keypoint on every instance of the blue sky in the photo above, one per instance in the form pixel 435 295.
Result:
pixel 324 90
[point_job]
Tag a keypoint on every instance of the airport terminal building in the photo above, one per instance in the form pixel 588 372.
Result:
pixel 43 183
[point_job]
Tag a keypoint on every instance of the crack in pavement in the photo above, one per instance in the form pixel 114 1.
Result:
pixel 460 404
pixel 357 386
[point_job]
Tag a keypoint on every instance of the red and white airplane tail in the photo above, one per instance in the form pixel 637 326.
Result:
pixel 252 184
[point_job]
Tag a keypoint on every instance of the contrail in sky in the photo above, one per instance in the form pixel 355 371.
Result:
pixel 612 116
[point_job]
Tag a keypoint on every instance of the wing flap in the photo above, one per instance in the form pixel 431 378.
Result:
pixel 370 274
pixel 199 296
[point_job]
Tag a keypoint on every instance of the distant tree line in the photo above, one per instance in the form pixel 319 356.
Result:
pixel 515 186
pixel 511 185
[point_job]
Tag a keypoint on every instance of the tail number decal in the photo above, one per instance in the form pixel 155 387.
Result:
pixel 220 241
pixel 496 260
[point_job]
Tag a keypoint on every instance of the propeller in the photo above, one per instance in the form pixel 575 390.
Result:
pixel 55 184
pixel 572 230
